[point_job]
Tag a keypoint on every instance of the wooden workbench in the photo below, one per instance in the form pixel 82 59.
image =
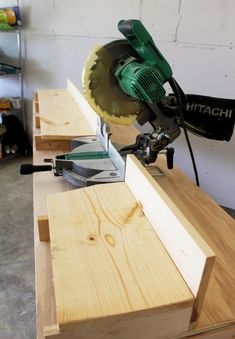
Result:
pixel 217 318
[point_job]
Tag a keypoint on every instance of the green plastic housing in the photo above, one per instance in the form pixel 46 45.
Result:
pixel 144 78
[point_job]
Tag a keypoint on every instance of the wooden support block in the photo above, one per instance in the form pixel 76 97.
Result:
pixel 112 275
pixel 37 121
pixel 191 254
pixel 134 325
pixel 35 107
pixel 48 145
pixel 43 228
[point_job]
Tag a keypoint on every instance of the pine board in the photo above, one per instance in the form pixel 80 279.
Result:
pixel 60 116
pixel 108 262
pixel 189 251
pixel 211 221
pixel 218 229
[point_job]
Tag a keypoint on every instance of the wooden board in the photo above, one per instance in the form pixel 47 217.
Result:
pixel 43 228
pixel 214 224
pixel 188 250
pixel 48 144
pixel 197 206
pixel 88 113
pixel 135 325
pixel 49 136
pixel 218 229
pixel 220 331
pixel 109 264
pixel 60 116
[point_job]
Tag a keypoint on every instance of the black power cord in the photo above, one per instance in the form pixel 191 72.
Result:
pixel 179 93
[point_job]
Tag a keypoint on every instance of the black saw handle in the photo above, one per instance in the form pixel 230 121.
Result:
pixel 170 157
pixel 26 169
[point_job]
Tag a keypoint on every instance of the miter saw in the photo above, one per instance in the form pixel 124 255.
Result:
pixel 124 81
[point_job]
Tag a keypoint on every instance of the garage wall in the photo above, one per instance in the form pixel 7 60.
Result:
pixel 196 36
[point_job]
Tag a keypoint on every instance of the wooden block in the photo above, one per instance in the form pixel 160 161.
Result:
pixel 35 107
pixel 48 145
pixel 135 325
pixel 112 275
pixel 37 121
pixel 61 117
pixel 190 253
pixel 43 228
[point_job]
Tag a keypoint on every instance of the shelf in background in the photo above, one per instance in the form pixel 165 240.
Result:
pixel 14 30
pixel 11 75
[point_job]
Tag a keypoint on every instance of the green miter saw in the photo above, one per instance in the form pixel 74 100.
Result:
pixel 124 81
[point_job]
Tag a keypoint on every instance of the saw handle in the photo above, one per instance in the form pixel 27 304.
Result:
pixel 169 152
pixel 26 169
pixel 142 42
pixel 170 157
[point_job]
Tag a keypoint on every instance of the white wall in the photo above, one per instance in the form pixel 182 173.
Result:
pixel 196 36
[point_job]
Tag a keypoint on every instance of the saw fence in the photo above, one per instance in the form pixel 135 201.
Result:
pixel 145 258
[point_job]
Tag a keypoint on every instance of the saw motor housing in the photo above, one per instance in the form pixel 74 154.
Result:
pixel 142 78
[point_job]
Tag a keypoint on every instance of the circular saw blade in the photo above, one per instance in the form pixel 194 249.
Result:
pixel 101 87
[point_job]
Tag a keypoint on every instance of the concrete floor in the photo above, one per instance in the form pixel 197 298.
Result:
pixel 17 300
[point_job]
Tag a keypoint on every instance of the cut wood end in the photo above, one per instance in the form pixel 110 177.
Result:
pixel 43 228
pixel 51 330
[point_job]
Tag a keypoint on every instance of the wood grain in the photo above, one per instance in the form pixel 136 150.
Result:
pixel 188 250
pixel 213 223
pixel 136 325
pixel 219 331
pixel 218 229
pixel 60 116
pixel 108 261
pixel 47 144
pixel 88 113
pixel 215 226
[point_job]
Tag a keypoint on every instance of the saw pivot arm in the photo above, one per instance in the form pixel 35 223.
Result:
pixel 148 146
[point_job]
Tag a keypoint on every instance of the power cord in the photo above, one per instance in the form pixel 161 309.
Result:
pixel 178 92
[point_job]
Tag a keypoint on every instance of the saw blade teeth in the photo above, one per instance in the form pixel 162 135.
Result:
pixel 96 83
